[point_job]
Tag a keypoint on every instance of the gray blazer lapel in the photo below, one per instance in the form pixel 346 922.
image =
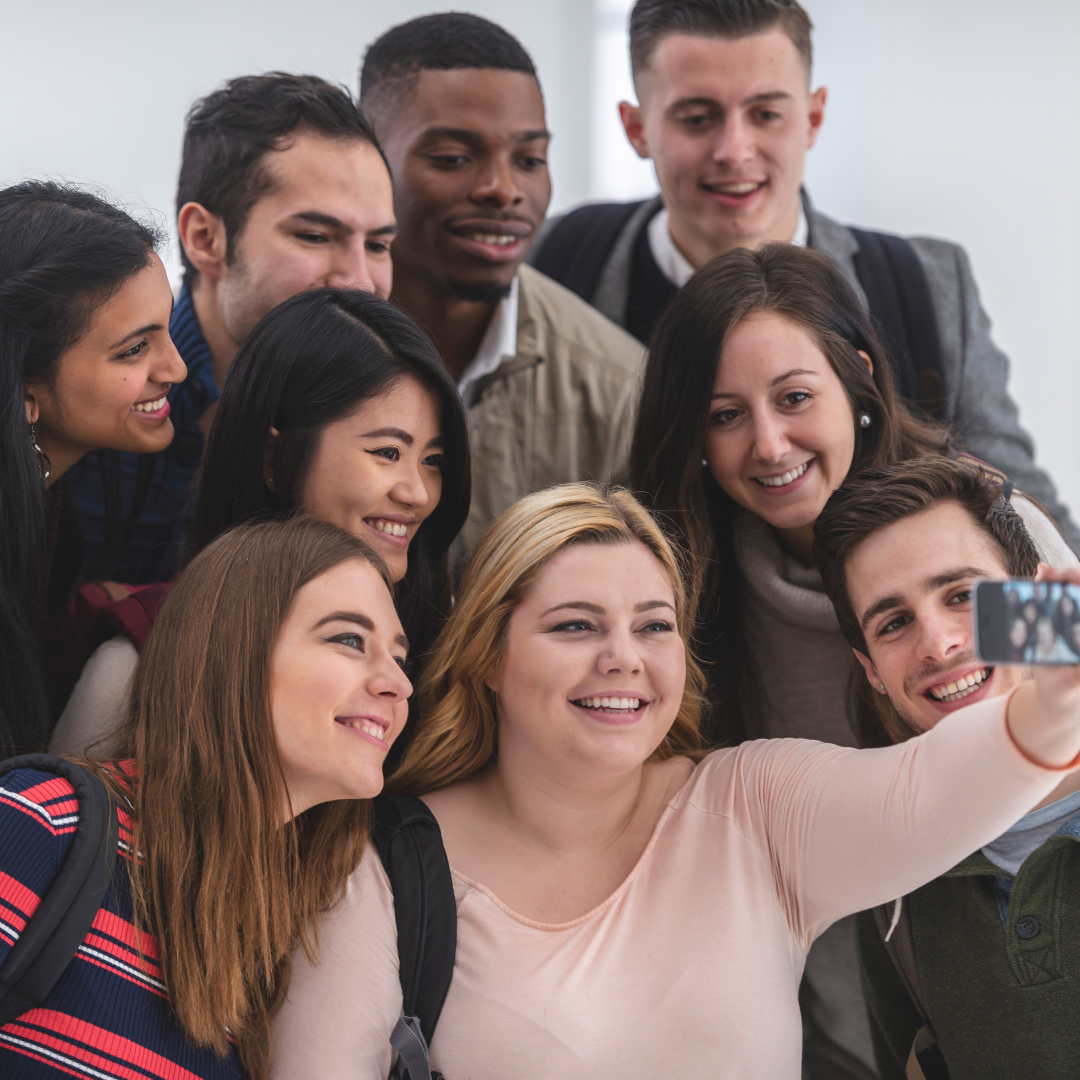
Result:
pixel 833 239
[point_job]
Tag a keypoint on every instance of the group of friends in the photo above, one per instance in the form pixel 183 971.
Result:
pixel 671 511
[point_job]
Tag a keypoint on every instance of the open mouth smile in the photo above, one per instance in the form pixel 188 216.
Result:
pixel 611 705
pixel 948 693
pixel 393 532
pixel 735 192
pixel 155 409
pixel 783 480
pixel 496 241
pixel 371 727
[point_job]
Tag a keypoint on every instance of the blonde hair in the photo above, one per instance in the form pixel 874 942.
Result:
pixel 457 736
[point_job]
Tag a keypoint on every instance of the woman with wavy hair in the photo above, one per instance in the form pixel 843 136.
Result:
pixel 263 706
pixel 628 906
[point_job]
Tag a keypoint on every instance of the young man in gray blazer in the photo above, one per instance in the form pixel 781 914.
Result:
pixel 727 114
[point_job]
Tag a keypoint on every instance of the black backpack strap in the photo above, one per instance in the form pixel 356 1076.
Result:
pixel 925 1061
pixel 575 248
pixel 898 294
pixel 410 845
pixel 61 921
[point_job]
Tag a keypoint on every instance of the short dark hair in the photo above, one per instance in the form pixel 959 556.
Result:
pixel 229 133
pixel 877 498
pixel 650 20
pixel 449 41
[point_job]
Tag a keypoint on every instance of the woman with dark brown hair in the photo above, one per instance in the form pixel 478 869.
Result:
pixel 766 387
pixel 262 709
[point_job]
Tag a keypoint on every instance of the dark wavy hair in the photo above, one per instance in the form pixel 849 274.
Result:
pixel 309 362
pixel 63 252
pixel 809 289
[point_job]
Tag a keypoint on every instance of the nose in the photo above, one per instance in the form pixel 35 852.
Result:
pixel 387 681
pixel 496 184
pixel 734 143
pixel 351 269
pixel 771 442
pixel 171 369
pixel 941 635
pixel 619 655
pixel 409 488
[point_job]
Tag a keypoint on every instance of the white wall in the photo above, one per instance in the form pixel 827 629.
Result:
pixel 955 118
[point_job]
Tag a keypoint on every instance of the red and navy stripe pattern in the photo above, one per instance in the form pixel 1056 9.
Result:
pixel 109 1017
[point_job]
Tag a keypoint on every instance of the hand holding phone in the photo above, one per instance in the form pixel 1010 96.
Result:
pixel 1028 622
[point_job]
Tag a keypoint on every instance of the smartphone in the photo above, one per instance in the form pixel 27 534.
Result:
pixel 1027 622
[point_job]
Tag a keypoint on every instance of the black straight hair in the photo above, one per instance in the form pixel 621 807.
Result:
pixel 810 290
pixel 63 252
pixel 230 132
pixel 311 361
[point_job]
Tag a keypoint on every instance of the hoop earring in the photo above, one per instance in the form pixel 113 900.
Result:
pixel 44 464
pixel 864 420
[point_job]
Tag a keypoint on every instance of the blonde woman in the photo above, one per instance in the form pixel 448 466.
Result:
pixel 627 906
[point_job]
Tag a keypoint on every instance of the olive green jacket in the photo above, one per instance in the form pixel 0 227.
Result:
pixel 561 409
pixel 1004 1000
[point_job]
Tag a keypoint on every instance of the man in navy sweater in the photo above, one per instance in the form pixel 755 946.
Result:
pixel 283 187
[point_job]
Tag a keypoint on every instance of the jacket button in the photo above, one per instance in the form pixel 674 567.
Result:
pixel 1027 927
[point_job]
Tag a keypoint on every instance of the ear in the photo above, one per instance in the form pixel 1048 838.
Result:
pixel 268 461
pixel 204 239
pixel 867 361
pixel 817 113
pixel 492 680
pixel 1042 570
pixel 630 115
pixel 876 681
pixel 33 409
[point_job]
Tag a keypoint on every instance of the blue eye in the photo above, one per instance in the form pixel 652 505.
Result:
pixel 350 641
pixel 576 625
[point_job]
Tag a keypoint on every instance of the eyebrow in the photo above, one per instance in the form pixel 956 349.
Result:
pixel 360 620
pixel 390 433
pixel 316 217
pixel 779 379
pixel 596 609
pixel 148 329
pixel 930 584
pixel 474 138
pixel 754 99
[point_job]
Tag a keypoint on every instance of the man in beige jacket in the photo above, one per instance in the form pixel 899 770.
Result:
pixel 550 385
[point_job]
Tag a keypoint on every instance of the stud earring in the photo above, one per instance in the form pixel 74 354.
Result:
pixel 881 687
pixel 864 420
pixel 44 464
pixel 704 463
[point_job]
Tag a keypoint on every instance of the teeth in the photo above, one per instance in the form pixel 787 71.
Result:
pixel 368 728
pixel 787 478
pixel 391 528
pixel 150 406
pixel 954 691
pixel 743 188
pixel 499 240
pixel 621 704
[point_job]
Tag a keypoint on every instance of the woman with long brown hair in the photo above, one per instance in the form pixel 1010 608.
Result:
pixel 766 387
pixel 261 713
pixel 628 906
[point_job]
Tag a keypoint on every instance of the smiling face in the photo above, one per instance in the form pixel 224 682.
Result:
pixel 326 220
pixel 780 437
pixel 110 387
pixel 727 123
pixel 338 695
pixel 593 670
pixel 377 472
pixel 468 149
pixel 911 586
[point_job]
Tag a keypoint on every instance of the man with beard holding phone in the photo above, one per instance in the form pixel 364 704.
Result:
pixel 550 385
pixel 975 973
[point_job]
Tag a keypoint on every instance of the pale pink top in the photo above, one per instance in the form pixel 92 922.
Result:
pixel 691 968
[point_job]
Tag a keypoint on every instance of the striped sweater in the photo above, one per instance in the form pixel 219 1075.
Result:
pixel 108 1018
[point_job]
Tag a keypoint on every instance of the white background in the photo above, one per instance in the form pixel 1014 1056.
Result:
pixel 955 118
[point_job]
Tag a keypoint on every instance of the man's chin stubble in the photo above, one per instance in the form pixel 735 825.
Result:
pixel 480 292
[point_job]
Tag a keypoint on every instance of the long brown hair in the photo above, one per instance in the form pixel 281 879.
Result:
pixel 458 733
pixel 226 890
pixel 809 289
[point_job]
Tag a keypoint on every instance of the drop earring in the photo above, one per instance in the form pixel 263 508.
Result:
pixel 44 464
pixel 864 420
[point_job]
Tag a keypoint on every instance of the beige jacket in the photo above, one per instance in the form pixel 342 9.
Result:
pixel 561 409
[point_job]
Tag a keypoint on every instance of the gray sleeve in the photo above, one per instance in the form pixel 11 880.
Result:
pixel 984 416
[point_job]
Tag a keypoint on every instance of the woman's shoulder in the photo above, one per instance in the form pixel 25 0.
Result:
pixel 39 815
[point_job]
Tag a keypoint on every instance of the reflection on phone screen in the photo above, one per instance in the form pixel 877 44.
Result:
pixel 1044 622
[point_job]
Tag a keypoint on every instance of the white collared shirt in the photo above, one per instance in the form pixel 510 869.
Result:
pixel 673 263
pixel 498 342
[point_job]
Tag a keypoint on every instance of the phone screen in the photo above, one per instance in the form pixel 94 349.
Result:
pixel 1027 622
